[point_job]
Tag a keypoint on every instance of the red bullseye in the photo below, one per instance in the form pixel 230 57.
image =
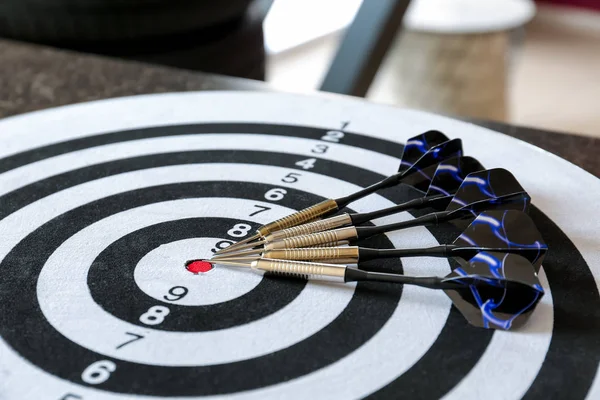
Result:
pixel 198 266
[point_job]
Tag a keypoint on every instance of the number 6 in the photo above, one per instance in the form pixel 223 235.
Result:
pixel 275 194
pixel 98 372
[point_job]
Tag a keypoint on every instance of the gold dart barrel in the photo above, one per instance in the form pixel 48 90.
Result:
pixel 259 251
pixel 308 214
pixel 301 270
pixel 311 227
pixel 335 255
pixel 314 239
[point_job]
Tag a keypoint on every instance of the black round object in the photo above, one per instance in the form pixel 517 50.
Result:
pixel 224 38
pixel 237 49
pixel 57 21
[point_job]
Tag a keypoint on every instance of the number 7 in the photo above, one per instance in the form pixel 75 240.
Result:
pixel 136 337
pixel 262 208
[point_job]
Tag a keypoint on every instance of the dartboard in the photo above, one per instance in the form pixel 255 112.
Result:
pixel 102 203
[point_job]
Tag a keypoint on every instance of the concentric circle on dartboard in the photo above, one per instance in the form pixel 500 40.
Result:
pixel 131 169
pixel 160 275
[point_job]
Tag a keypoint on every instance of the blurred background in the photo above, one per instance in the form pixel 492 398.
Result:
pixel 528 62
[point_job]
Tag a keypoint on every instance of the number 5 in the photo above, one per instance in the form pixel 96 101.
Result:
pixel 292 177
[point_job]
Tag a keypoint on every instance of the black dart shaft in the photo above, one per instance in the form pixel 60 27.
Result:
pixel 430 282
pixel 353 254
pixel 430 159
pixel 353 233
pixel 344 219
pixel 415 204
pixel 446 182
pixel 340 273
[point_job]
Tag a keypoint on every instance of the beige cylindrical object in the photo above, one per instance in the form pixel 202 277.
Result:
pixel 311 227
pixel 300 217
pixel 461 74
pixel 346 255
pixel 302 270
pixel 313 239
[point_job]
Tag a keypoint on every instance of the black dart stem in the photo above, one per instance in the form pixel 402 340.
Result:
pixel 444 250
pixel 386 183
pixel 414 204
pixel 429 219
pixel 430 282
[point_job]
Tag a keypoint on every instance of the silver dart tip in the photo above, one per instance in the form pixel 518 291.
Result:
pixel 242 244
pixel 238 254
pixel 230 249
pixel 244 262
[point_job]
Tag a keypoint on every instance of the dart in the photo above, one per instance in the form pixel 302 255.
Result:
pixel 495 296
pixel 422 151
pixel 446 180
pixel 506 231
pixel 480 191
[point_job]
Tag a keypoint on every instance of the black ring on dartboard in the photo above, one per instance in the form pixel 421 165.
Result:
pixel 113 272
pixel 571 287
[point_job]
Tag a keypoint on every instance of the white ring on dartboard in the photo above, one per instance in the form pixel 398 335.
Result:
pixel 160 274
pixel 301 148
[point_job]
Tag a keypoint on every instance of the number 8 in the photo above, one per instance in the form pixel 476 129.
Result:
pixel 239 230
pixel 155 315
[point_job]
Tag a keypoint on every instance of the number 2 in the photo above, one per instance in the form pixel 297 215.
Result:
pixel 333 136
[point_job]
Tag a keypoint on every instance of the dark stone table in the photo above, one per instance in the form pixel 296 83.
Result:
pixel 33 78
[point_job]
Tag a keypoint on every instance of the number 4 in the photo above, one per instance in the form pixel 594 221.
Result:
pixel 307 164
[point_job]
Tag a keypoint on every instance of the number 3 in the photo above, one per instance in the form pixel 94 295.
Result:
pixel 98 372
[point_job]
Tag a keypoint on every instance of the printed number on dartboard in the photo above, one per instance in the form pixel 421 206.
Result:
pixel 155 315
pixel 237 231
pixel 330 136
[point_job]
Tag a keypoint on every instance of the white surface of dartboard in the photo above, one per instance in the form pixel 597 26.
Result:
pixel 102 203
